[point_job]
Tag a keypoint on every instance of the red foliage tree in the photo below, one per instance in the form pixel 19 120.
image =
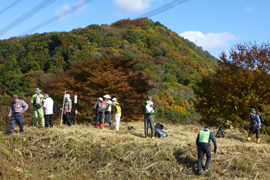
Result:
pixel 91 79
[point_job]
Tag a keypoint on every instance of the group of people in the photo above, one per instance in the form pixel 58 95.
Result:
pixel 105 107
pixel 43 106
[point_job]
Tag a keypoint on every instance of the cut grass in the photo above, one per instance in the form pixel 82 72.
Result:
pixel 83 152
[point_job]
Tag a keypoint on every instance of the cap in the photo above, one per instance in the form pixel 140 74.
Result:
pixel 100 98
pixel 114 99
pixel 46 96
pixel 14 97
pixel 148 97
pixel 107 96
pixel 252 110
pixel 207 127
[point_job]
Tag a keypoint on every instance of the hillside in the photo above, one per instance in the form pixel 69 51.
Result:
pixel 83 152
pixel 172 63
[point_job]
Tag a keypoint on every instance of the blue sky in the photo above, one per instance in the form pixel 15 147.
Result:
pixel 217 25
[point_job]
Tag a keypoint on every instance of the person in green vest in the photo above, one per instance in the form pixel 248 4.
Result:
pixel 203 147
pixel 149 108
pixel 37 101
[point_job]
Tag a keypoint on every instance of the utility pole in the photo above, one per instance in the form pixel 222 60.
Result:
pixel 75 111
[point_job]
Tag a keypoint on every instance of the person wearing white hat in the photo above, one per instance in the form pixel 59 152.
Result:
pixel 48 110
pixel 116 110
pixel 67 110
pixel 99 109
pixel 108 109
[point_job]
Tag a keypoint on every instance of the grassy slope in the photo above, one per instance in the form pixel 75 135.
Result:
pixel 83 152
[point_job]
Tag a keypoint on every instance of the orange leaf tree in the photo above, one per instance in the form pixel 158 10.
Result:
pixel 240 83
pixel 117 76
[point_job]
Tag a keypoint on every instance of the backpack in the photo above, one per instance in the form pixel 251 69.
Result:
pixel 101 106
pixel 38 101
pixel 159 126
pixel 54 108
pixel 260 116
pixel 254 120
pixel 160 133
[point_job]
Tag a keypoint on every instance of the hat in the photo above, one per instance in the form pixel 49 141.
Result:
pixel 100 98
pixel 46 96
pixel 114 99
pixel 207 127
pixel 14 97
pixel 149 97
pixel 252 110
pixel 37 90
pixel 107 96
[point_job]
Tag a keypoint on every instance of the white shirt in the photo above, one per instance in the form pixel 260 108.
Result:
pixel 48 106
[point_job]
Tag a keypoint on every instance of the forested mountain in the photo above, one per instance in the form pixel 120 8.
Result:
pixel 170 63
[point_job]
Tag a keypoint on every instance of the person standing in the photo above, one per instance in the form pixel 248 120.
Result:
pixel 149 108
pixel 108 109
pixel 48 110
pixel 99 109
pixel 116 110
pixel 18 107
pixel 203 147
pixel 37 101
pixel 255 125
pixel 67 110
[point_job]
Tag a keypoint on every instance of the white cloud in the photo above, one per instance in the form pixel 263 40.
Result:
pixel 133 6
pixel 249 8
pixel 209 40
pixel 58 11
pixel 226 52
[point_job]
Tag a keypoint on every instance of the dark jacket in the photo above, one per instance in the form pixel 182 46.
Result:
pixel 260 117
pixel 212 137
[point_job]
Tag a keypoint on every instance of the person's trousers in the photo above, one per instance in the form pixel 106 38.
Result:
pixel 149 118
pixel 203 148
pixel 16 118
pixel 38 111
pixel 254 130
pixel 117 118
pixel 99 118
pixel 108 116
pixel 66 118
pixel 48 119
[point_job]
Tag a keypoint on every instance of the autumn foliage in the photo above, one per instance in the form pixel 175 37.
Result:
pixel 240 83
pixel 91 79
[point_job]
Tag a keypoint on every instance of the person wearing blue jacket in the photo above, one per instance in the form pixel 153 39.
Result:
pixel 255 125
pixel 149 108
pixel 203 147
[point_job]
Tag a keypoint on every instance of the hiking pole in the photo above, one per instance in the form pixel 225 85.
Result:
pixel 63 108
pixel 75 111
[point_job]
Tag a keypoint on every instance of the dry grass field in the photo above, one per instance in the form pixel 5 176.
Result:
pixel 83 152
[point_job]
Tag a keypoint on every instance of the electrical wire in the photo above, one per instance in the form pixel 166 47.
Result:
pixel 9 6
pixel 163 8
pixel 26 16
pixel 60 15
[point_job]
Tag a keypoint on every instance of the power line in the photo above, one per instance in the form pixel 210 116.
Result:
pixel 58 16
pixel 26 16
pixel 9 6
pixel 163 8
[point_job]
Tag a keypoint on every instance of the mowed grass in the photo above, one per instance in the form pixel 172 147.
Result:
pixel 83 152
